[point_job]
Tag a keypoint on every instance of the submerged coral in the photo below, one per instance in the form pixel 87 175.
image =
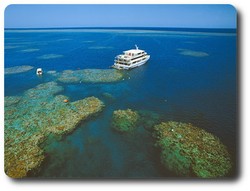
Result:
pixel 190 151
pixel 17 69
pixel 51 72
pixel 90 75
pixel 68 77
pixel 10 47
pixel 66 118
pixel 101 47
pixel 10 100
pixel 63 39
pixel 30 50
pixel 33 117
pixel 125 120
pixel 22 152
pixel 188 52
pixel 50 56
pixel 148 119
pixel 108 96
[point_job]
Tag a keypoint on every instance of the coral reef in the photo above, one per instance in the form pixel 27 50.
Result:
pixel 108 96
pixel 30 50
pixel 72 114
pixel 90 76
pixel 128 120
pixel 69 76
pixel 190 151
pixel 22 152
pixel 30 119
pixel 17 69
pixel 42 92
pixel 125 120
pixel 50 56
pixel 51 72
pixel 10 47
pixel 63 39
pixel 148 119
pixel 10 100
pixel 188 52
pixel 100 47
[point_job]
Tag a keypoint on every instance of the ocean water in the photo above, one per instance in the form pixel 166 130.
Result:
pixel 190 77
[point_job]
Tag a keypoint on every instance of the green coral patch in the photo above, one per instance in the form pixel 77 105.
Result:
pixel 10 100
pixel 17 69
pixel 90 76
pixel 187 52
pixel 190 151
pixel 148 119
pixel 31 118
pixel 30 50
pixel 125 120
pixel 50 56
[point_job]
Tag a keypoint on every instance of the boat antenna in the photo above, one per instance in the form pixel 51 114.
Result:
pixel 136 47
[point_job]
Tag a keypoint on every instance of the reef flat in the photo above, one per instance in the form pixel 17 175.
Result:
pixel 89 76
pixel 10 100
pixel 30 50
pixel 50 56
pixel 100 47
pixel 193 53
pixel 190 151
pixel 148 119
pixel 186 150
pixel 17 69
pixel 31 118
pixel 125 120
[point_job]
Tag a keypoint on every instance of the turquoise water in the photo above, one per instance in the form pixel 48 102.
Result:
pixel 190 77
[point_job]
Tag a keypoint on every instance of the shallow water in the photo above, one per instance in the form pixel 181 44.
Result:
pixel 181 87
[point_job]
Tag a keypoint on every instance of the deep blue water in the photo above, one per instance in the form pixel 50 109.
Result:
pixel 187 88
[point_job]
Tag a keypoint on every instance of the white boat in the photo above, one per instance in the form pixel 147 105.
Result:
pixel 39 71
pixel 131 59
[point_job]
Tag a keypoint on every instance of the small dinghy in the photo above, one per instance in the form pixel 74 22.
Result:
pixel 39 71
